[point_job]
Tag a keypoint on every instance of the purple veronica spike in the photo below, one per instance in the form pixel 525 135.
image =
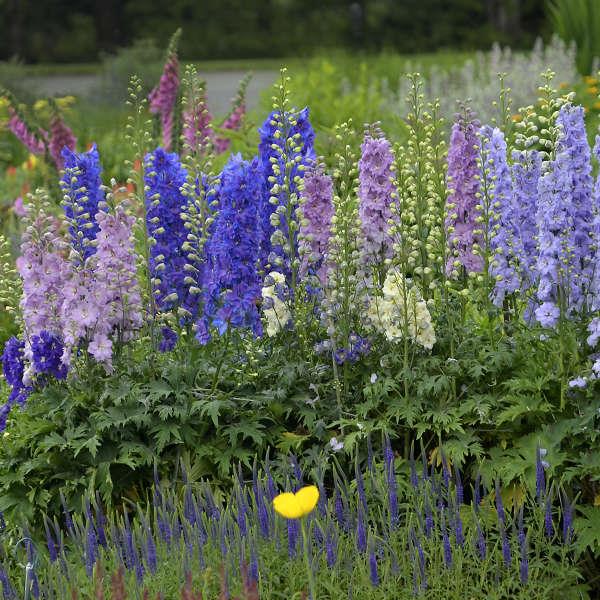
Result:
pixel 390 471
pixel 506 554
pixel 446 541
pixel 548 524
pixel 91 549
pixel 480 543
pixel 361 533
pixel 499 505
pixel 373 572
pixel 331 547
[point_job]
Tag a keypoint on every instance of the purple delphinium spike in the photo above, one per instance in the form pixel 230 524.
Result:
pixel 390 472
pixel 564 219
pixel 375 192
pixel 504 239
pixel 463 186
pixel 548 524
pixel 526 171
pixel 315 226
pixel 373 572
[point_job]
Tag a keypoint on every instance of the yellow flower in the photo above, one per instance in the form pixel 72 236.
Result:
pixel 298 505
pixel 517 117
pixel 593 90
pixel 590 80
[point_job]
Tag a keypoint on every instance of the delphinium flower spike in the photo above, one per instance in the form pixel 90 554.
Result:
pixel 463 186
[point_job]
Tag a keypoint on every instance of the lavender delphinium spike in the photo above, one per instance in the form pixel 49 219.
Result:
pixel 564 219
pixel 463 186
pixel 315 225
pixel 375 192
pixel 505 239
pixel 526 171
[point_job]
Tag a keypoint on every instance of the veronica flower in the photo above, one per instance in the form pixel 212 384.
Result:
pixel 81 186
pixel 462 201
pixel 375 193
pixel 164 96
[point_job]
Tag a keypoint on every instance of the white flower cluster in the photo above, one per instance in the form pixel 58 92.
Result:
pixel 274 308
pixel 401 310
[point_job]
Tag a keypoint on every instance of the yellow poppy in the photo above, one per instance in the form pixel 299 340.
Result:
pixel 298 505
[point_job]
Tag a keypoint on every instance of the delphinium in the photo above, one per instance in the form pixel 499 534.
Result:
pixel 285 151
pixel 198 132
pixel 234 284
pixel 420 193
pixel 375 193
pixel 164 177
pixel 139 138
pixel 44 271
pixel 235 119
pixel 163 98
pixel 564 220
pixel 345 295
pixel 463 188
pixel 315 224
pixel 81 187
pixel 10 284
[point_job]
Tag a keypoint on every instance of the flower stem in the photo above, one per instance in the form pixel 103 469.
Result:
pixel 309 573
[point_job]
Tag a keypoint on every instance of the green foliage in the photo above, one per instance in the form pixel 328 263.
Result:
pixel 578 21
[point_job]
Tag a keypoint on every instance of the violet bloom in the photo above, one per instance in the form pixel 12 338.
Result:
pixel 61 137
pixel 526 171
pixel 373 572
pixel 462 201
pixel 446 541
pixel 375 193
pixel 164 96
pixel 505 239
pixel 361 533
pixel 564 219
pixel 35 142
pixel 315 225
pixel 506 553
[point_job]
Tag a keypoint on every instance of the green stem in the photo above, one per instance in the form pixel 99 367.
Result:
pixel 309 573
